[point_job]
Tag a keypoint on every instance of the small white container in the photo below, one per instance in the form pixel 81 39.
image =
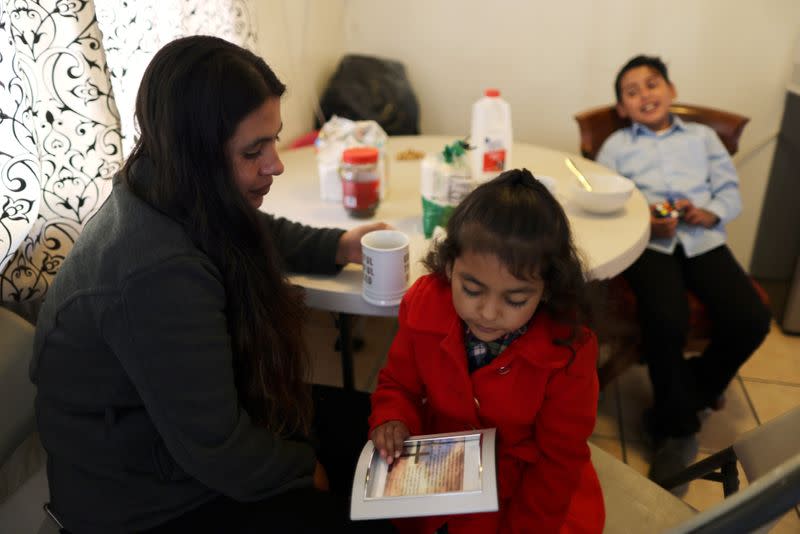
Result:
pixel 609 193
pixel 330 183
pixel 491 135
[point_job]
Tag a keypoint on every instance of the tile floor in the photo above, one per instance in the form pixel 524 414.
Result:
pixel 767 386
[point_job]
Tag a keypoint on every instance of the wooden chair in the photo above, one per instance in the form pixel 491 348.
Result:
pixel 595 126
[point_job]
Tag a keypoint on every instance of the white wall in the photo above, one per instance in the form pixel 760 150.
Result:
pixel 302 41
pixel 553 59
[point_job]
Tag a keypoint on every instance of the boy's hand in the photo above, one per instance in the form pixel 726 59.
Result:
pixel 662 226
pixel 349 249
pixel 700 216
pixel 684 205
pixel 388 439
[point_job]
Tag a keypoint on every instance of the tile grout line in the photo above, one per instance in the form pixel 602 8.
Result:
pixel 770 382
pixel 749 400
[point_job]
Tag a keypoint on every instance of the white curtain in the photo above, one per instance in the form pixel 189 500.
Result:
pixel 59 137
pixel 62 63
pixel 134 31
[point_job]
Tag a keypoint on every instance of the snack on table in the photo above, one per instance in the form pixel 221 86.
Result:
pixel 410 155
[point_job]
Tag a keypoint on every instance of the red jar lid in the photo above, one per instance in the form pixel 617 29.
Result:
pixel 360 154
pixel 492 92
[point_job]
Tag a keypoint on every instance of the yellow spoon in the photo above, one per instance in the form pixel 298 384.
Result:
pixel 581 178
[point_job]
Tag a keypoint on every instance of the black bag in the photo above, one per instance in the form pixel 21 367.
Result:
pixel 369 88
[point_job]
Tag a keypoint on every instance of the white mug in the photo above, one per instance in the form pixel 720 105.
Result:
pixel 386 265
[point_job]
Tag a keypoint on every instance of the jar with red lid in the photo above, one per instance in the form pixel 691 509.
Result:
pixel 361 181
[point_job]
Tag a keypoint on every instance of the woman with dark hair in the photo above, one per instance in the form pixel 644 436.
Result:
pixel 169 359
pixel 496 337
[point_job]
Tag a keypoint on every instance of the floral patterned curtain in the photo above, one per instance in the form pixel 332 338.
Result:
pixel 62 62
pixel 59 137
pixel 134 31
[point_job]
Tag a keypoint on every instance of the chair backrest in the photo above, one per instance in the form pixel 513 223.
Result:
pixel 597 124
pixel 633 500
pixel 770 458
pixel 16 390
pixel 769 445
pixel 753 509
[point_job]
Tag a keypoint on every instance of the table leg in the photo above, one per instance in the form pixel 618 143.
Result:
pixel 343 321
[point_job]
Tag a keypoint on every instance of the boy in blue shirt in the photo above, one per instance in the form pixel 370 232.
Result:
pixel 686 165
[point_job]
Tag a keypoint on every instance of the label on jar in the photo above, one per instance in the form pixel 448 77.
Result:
pixel 360 196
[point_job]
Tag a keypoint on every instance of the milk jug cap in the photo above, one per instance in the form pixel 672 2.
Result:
pixel 493 93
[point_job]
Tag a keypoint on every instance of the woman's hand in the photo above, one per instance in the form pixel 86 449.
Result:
pixel 388 439
pixel 321 478
pixel 349 250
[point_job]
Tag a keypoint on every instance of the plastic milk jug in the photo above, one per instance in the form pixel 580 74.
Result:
pixel 491 136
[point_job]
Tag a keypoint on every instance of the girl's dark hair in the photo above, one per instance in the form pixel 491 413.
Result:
pixel 193 95
pixel 515 218
pixel 654 62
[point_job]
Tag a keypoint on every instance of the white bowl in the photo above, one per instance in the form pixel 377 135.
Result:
pixel 549 182
pixel 609 193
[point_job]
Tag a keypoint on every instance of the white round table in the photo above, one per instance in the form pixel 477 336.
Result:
pixel 608 243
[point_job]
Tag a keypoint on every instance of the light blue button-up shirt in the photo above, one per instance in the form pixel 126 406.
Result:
pixel 685 161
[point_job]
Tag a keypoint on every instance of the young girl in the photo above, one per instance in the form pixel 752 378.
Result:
pixel 493 338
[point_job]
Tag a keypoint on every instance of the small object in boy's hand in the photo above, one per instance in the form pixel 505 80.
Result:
pixel 680 211
pixel 662 210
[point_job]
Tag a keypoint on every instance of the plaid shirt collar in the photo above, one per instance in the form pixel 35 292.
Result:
pixel 481 353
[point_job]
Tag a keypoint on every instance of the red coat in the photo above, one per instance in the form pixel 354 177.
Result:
pixel 543 407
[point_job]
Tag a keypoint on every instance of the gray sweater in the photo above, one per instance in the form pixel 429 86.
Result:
pixel 136 402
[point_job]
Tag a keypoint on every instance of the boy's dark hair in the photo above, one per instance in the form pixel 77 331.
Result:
pixel 515 218
pixel 653 62
pixel 193 95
